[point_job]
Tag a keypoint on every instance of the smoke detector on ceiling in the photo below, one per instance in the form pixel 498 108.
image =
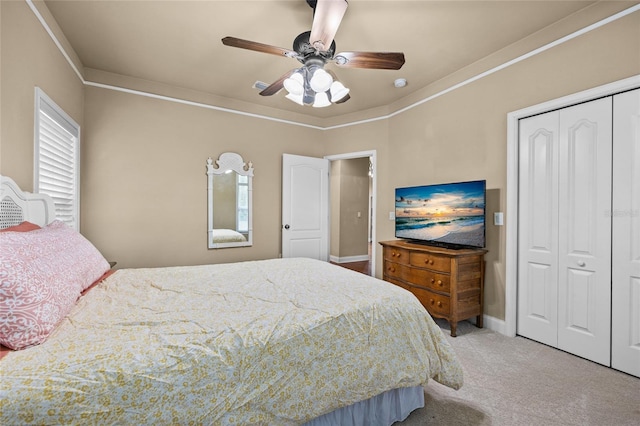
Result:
pixel 400 82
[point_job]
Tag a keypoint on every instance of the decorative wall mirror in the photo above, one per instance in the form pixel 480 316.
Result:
pixel 229 193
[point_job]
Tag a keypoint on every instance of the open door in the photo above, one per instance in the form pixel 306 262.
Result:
pixel 305 207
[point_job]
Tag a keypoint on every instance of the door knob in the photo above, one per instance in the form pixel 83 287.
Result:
pixel 581 263
pixel 286 226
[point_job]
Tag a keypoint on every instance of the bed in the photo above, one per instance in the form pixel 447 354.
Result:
pixel 268 342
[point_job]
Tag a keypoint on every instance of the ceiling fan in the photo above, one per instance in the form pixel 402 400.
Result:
pixel 311 84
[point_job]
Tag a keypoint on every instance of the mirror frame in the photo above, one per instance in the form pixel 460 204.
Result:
pixel 234 162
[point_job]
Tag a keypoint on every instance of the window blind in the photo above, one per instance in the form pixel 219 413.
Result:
pixel 57 159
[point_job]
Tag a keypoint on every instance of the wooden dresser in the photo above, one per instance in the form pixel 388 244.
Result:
pixel 449 283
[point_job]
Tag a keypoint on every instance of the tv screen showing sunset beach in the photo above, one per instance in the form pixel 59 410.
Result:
pixel 452 213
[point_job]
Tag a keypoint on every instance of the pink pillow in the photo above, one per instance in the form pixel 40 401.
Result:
pixel 23 227
pixel 42 274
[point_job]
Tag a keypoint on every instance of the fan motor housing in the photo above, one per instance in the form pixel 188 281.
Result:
pixel 306 51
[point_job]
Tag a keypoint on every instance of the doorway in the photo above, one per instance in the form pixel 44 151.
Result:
pixel 353 173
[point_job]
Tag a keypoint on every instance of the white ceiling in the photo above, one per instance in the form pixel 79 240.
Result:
pixel 178 42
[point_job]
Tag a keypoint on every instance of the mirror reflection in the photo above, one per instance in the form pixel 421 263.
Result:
pixel 229 190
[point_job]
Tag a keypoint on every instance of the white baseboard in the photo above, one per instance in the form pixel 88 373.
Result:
pixel 348 259
pixel 495 324
pixel 492 323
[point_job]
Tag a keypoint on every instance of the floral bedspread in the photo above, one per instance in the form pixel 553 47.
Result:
pixel 272 342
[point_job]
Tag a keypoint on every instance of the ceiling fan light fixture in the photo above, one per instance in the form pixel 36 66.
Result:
pixel 338 91
pixel 295 98
pixel 295 84
pixel 320 81
pixel 309 96
pixel 311 84
pixel 321 101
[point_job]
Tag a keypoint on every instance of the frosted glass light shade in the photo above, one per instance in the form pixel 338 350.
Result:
pixel 338 91
pixel 322 100
pixel 294 84
pixel 321 81
pixel 295 98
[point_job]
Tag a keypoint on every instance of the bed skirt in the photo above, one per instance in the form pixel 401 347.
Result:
pixel 381 410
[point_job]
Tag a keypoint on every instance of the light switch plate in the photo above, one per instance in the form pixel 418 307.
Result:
pixel 498 219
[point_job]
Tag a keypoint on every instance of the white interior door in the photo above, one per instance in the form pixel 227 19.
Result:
pixel 305 207
pixel 584 267
pixel 625 318
pixel 538 229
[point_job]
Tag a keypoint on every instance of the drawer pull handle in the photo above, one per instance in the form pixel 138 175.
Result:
pixel 439 304
pixel 432 301
pixel 433 280
pixel 428 262
pixel 440 283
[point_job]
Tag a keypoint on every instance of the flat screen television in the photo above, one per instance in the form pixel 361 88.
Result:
pixel 448 215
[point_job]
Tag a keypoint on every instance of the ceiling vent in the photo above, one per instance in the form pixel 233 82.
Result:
pixel 260 85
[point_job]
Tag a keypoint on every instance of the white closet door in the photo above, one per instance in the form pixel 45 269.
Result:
pixel 538 229
pixel 584 268
pixel 625 319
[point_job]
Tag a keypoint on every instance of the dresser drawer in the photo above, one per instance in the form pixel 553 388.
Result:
pixel 436 304
pixel 396 270
pixel 429 279
pixel 397 282
pixel 396 255
pixel 431 261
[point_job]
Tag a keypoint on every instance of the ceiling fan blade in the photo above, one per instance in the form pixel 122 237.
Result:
pixel 258 47
pixel 326 20
pixel 372 60
pixel 275 87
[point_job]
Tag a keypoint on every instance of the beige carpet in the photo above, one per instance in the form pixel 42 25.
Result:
pixel 515 381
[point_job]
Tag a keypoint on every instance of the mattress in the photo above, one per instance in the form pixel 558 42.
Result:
pixel 279 341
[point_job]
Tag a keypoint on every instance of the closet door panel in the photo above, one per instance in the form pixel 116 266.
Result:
pixel 584 262
pixel 538 229
pixel 625 332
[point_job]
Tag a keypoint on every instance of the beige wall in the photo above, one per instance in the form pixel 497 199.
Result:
pixel 144 199
pixel 29 59
pixel 143 159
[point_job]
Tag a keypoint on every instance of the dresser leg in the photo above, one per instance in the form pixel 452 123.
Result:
pixel 479 321
pixel 454 326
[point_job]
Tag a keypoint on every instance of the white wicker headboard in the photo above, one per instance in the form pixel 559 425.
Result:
pixel 17 206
